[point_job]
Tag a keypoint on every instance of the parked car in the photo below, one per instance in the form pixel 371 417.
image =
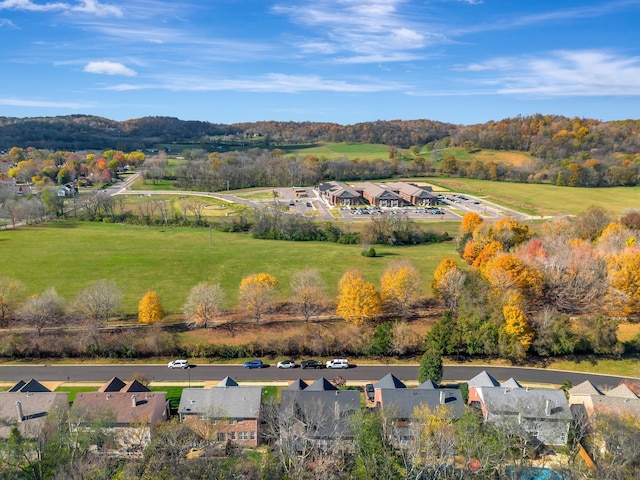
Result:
pixel 179 364
pixel 312 364
pixel 369 390
pixel 253 364
pixel 338 363
pixel 287 364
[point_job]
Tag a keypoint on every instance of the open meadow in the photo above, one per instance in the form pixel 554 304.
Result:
pixel 70 255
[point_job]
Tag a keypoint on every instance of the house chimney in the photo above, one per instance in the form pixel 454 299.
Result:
pixel 133 400
pixel 547 407
pixel 19 410
pixel 443 397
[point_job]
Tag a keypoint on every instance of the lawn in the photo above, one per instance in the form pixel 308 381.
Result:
pixel 70 255
pixel 331 151
pixel 545 200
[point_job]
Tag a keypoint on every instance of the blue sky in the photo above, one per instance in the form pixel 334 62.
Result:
pixel 343 61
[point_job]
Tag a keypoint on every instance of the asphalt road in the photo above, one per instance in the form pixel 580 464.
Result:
pixel 362 373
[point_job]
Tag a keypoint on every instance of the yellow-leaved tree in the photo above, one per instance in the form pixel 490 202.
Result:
pixel 358 300
pixel 516 325
pixel 506 271
pixel 446 264
pixel 469 222
pixel 400 286
pixel 150 308
pixel 624 276
pixel 256 293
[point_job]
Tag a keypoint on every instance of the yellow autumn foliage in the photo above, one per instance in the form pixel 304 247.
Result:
pixel 516 324
pixel 150 308
pixel 358 300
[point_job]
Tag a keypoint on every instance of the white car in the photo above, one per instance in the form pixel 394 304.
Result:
pixel 179 364
pixel 286 364
pixel 338 363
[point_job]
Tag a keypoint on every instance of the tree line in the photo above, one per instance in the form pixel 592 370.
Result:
pixel 562 291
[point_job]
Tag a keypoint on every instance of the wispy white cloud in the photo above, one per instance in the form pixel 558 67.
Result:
pixel 83 6
pixel 366 30
pixel 5 22
pixel 562 74
pixel 18 102
pixel 109 68
pixel 273 83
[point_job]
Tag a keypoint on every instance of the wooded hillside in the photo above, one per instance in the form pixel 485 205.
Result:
pixel 549 137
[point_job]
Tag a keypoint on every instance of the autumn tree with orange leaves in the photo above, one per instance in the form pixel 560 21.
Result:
pixel 358 300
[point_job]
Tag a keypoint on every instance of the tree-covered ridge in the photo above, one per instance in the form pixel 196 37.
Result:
pixel 545 136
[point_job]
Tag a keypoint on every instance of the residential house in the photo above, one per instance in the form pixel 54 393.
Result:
pixel 414 194
pixel 399 403
pixel 226 412
pixel 620 400
pixel 316 415
pixel 378 196
pixel 129 409
pixel 27 405
pixel 543 415
pixel 338 193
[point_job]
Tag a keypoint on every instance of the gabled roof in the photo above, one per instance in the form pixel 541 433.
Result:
pixel 511 383
pixel 428 385
pixel 222 401
pixel 483 379
pixel 135 386
pixel 622 391
pixel 32 386
pixel 389 381
pixel 298 384
pixel 376 191
pixel 411 189
pixel 118 385
pixel 113 385
pixel 33 408
pixel 528 402
pixel 227 382
pixel 585 388
pixel 321 385
pixel 126 408
pixel 401 403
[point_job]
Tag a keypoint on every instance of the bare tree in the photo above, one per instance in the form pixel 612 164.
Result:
pixel 98 302
pixel 195 206
pixel 204 303
pixel 308 291
pixel 45 310
pixel 450 287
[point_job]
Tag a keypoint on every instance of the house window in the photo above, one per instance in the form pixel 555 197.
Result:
pixel 240 420
pixel 243 436
pixel 222 436
pixel 233 435
pixel 232 421
pixel 252 435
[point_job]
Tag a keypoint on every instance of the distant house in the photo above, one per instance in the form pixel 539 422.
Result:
pixel 224 413
pixel 316 415
pixel 414 194
pixel 129 409
pixel 399 404
pixel 541 414
pixel 337 193
pixel 27 405
pixel 68 190
pixel 378 196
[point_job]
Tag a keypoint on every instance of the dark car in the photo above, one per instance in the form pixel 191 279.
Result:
pixel 312 364
pixel 254 364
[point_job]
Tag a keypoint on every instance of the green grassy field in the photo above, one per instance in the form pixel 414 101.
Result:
pixel 545 199
pixel 170 261
pixel 365 151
